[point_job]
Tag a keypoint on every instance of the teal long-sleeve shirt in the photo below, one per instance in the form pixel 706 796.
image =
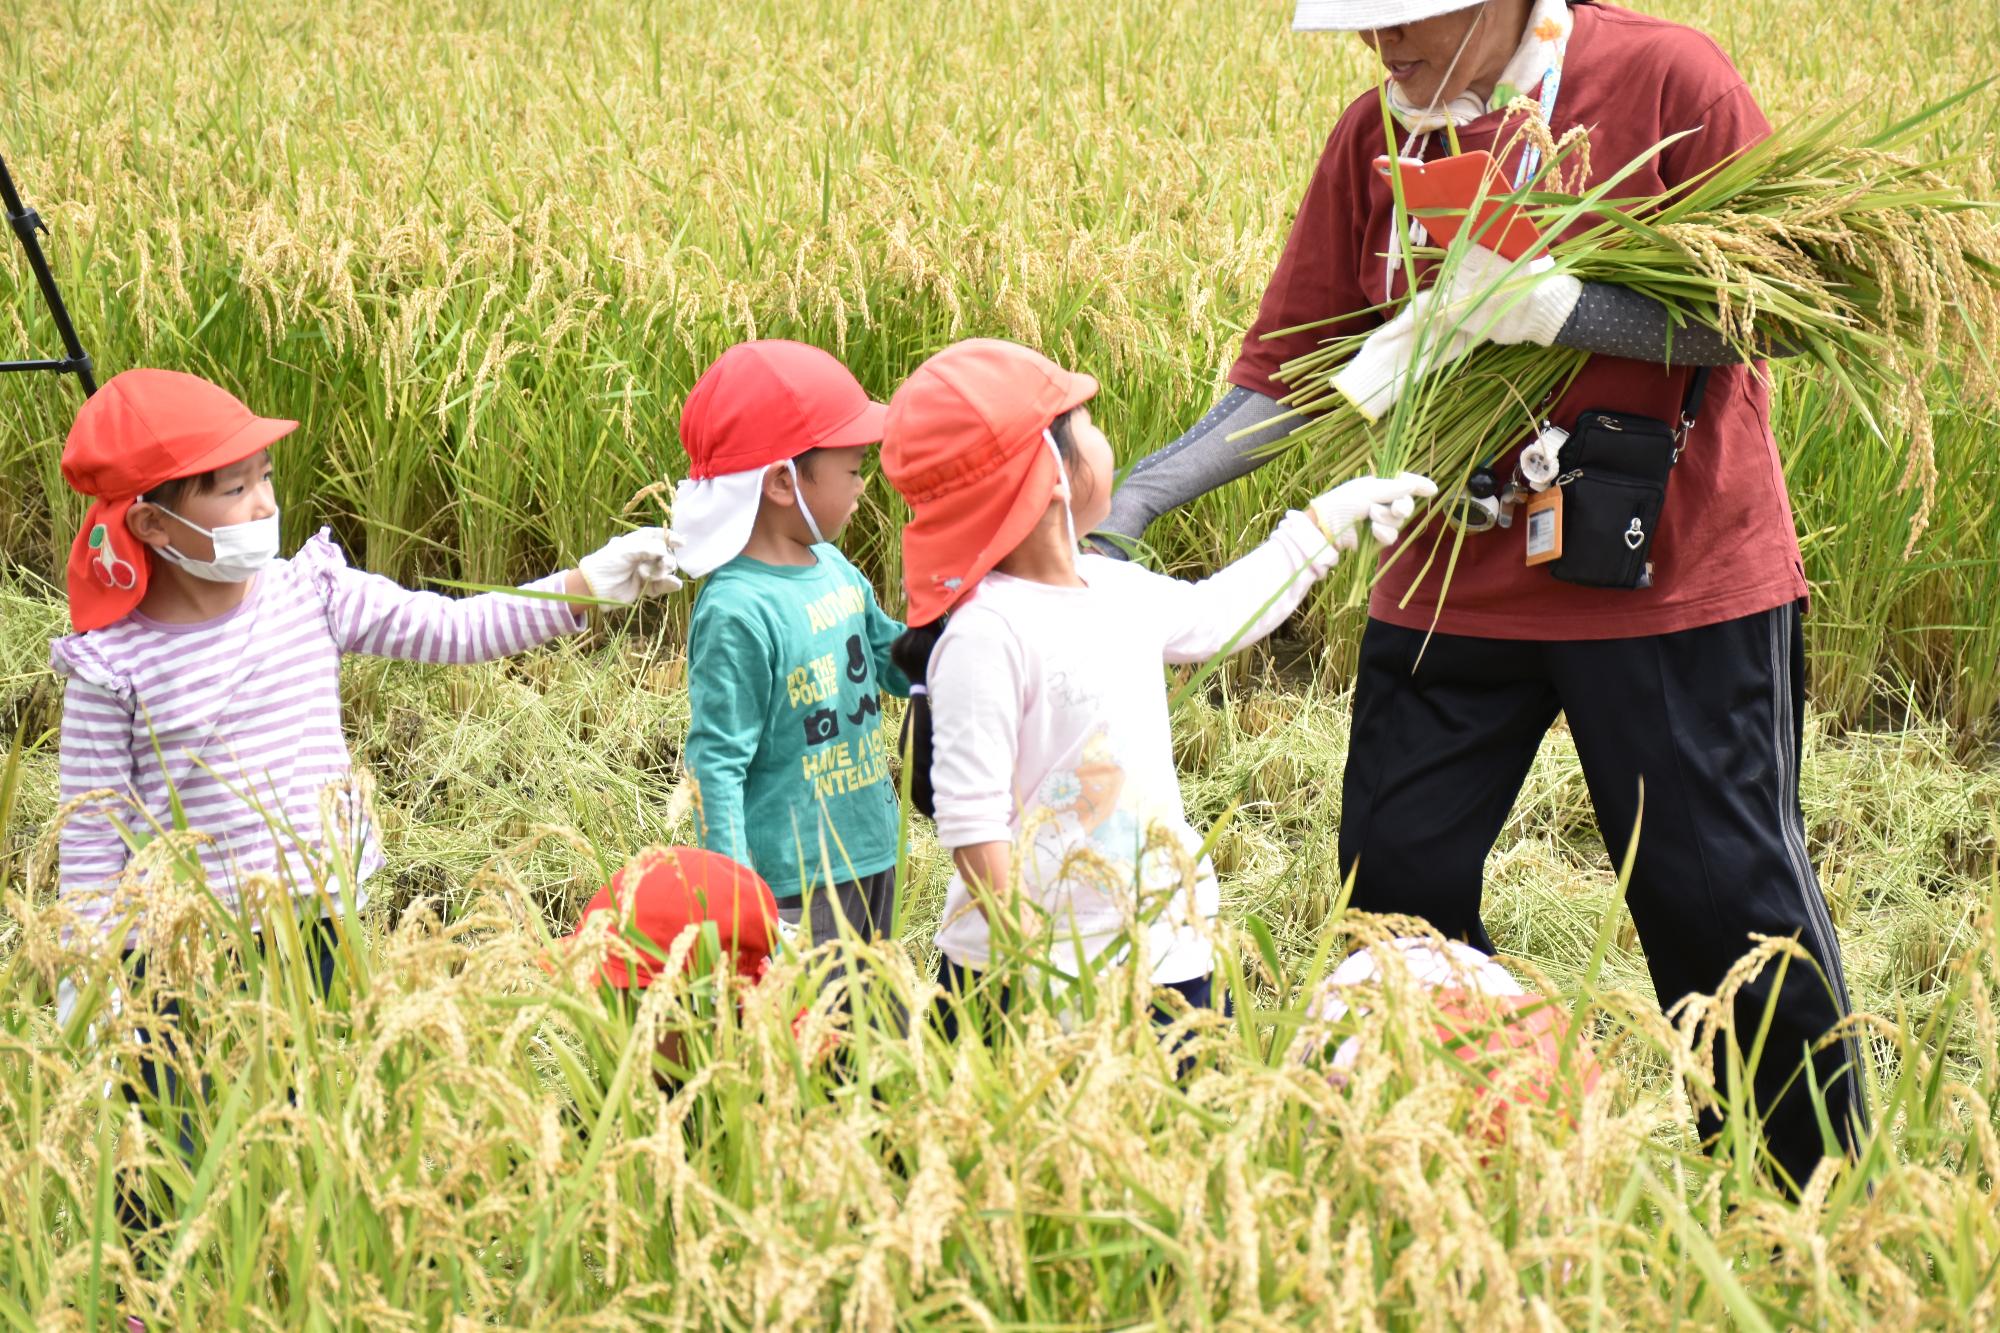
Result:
pixel 786 668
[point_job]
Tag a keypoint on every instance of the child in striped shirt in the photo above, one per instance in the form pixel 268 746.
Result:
pixel 205 669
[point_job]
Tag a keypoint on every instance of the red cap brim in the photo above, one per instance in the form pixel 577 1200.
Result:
pixel 259 433
pixel 865 427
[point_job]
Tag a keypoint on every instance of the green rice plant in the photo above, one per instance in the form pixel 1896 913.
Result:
pixel 482 256
pixel 464 1126
pixel 474 1136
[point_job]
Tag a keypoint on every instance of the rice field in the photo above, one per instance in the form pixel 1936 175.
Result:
pixel 481 249
pixel 475 1139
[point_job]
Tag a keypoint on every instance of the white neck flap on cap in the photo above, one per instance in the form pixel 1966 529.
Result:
pixel 714 516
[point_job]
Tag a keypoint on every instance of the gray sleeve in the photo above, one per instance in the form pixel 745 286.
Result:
pixel 1195 464
pixel 1608 320
pixel 1617 321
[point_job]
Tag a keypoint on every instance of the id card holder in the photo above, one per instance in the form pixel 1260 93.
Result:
pixel 1544 526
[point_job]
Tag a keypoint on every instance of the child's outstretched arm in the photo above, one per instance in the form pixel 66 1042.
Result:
pixel 1248 598
pixel 374 615
pixel 635 564
pixel 732 674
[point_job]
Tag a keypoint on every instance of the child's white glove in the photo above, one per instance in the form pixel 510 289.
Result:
pixel 1485 298
pixel 632 565
pixel 1383 503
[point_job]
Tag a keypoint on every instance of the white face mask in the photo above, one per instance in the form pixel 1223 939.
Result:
pixel 241 549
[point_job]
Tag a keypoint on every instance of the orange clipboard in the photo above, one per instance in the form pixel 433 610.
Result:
pixel 1452 184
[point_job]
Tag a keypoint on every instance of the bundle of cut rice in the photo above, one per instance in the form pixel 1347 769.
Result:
pixel 1865 259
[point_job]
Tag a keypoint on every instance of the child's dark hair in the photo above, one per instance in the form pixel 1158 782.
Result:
pixel 1063 431
pixel 911 652
pixel 170 493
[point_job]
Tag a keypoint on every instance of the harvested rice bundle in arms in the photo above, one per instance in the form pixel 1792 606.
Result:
pixel 1864 258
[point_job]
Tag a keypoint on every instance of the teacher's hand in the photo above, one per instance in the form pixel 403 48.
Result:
pixel 1482 298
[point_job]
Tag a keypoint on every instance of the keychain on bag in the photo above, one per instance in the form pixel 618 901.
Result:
pixel 1540 464
pixel 1594 523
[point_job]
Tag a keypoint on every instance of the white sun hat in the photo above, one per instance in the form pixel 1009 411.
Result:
pixel 1363 15
pixel 1457 966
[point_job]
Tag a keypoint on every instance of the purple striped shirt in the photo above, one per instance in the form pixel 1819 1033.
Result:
pixel 240 717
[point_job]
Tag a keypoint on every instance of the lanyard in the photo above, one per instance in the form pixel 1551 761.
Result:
pixel 1524 172
pixel 1531 154
pixel 1531 162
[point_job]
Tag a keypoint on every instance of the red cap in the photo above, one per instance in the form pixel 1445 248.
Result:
pixel 668 889
pixel 964 447
pixel 144 427
pixel 1481 1031
pixel 763 402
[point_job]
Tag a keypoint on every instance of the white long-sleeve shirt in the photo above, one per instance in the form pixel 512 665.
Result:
pixel 1049 710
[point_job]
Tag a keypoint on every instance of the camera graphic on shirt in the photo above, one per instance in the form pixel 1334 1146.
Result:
pixel 822 725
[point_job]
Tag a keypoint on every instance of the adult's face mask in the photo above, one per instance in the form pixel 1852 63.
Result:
pixel 241 549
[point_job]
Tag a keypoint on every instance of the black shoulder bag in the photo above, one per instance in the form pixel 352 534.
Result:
pixel 1615 467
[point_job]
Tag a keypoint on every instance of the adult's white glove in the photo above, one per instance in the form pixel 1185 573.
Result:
pixel 1382 504
pixel 635 564
pixel 1484 298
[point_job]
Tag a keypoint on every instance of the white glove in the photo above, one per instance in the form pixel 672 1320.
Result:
pixel 1484 298
pixel 1383 503
pixel 632 565
pixel 1509 303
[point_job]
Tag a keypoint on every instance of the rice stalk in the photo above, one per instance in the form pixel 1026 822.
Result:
pixel 1872 264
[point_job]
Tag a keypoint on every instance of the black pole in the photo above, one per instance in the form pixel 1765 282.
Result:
pixel 26 222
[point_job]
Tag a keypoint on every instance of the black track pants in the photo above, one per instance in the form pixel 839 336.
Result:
pixel 1709 720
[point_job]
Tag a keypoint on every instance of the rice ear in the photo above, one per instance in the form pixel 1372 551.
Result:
pixel 1868 260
